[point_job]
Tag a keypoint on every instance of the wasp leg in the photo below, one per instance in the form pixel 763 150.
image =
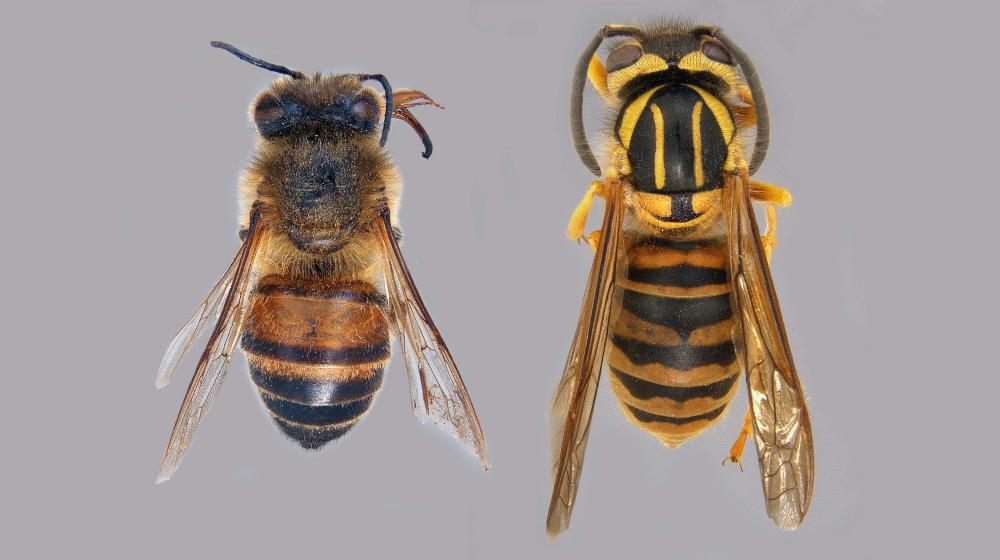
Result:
pixel 619 168
pixel 620 165
pixel 736 451
pixel 770 237
pixel 578 220
pixel 771 194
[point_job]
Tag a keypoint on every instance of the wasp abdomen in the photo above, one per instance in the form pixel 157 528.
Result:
pixel 672 359
pixel 317 350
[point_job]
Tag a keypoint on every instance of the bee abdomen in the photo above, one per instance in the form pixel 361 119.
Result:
pixel 317 350
pixel 672 360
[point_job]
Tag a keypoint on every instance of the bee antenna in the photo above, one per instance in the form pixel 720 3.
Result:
pixel 387 119
pixel 256 61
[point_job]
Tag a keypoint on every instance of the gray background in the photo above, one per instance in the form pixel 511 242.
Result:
pixel 124 134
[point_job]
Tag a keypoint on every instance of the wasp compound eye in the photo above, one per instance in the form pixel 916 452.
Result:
pixel 623 56
pixel 717 51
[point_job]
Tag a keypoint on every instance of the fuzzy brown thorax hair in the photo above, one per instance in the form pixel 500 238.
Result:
pixel 318 173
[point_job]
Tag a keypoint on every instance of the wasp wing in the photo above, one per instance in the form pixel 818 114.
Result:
pixel 781 427
pixel 215 360
pixel 573 404
pixel 436 388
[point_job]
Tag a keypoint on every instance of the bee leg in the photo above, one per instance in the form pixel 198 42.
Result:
pixel 736 451
pixel 404 98
pixel 578 220
pixel 593 238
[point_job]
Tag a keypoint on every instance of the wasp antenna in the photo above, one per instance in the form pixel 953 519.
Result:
pixel 256 61
pixel 759 100
pixel 576 91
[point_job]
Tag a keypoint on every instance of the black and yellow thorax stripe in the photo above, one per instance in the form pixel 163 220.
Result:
pixel 677 138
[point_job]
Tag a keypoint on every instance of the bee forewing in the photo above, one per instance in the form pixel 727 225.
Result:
pixel 210 307
pixel 436 387
pixel 215 360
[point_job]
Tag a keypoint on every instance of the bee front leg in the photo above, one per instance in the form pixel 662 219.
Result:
pixel 405 98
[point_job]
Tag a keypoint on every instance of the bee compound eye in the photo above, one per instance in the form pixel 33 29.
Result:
pixel 716 51
pixel 268 109
pixel 363 110
pixel 623 56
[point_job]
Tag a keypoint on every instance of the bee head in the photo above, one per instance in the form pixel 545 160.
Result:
pixel 318 106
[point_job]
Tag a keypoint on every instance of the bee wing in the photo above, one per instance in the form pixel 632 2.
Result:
pixel 436 387
pixel 781 426
pixel 215 360
pixel 210 307
pixel 573 404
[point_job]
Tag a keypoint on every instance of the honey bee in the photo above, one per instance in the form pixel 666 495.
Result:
pixel 304 294
pixel 680 297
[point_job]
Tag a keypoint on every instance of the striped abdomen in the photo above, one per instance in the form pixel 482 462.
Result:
pixel 672 361
pixel 317 350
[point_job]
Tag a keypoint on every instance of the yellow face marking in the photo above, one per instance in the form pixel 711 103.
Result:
pixel 699 173
pixel 647 64
pixel 659 171
pixel 719 111
pixel 598 77
pixel 697 62
pixel 632 114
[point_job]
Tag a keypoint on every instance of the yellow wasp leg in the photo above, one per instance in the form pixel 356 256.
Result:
pixel 578 220
pixel 736 451
pixel 771 194
pixel 770 237
pixel 620 167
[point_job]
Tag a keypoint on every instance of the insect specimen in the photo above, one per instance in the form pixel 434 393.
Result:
pixel 680 299
pixel 319 284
